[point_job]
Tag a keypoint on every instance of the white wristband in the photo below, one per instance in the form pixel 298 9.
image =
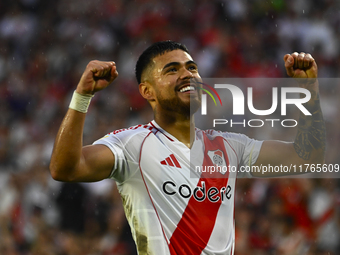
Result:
pixel 80 102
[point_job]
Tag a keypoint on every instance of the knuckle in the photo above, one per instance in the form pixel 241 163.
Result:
pixel 91 63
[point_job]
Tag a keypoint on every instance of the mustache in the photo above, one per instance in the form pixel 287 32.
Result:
pixel 192 81
pixel 198 82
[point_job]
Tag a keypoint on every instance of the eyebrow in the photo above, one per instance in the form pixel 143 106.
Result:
pixel 177 63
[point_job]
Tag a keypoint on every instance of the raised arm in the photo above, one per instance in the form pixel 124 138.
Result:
pixel 310 140
pixel 71 161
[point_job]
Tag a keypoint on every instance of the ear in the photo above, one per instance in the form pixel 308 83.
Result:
pixel 146 90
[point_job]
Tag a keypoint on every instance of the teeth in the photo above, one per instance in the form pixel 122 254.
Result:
pixel 187 88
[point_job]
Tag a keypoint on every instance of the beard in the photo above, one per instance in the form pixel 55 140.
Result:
pixel 177 105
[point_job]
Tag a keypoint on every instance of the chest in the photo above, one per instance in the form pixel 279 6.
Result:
pixel 172 170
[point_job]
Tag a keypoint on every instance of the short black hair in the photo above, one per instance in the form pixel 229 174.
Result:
pixel 156 49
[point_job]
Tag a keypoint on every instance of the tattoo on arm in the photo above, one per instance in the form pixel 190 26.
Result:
pixel 311 133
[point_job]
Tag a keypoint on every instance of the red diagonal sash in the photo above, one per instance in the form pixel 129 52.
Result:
pixel 198 220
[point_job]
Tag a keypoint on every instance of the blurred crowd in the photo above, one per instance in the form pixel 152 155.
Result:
pixel 44 47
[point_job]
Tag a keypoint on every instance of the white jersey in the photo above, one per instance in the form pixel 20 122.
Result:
pixel 171 208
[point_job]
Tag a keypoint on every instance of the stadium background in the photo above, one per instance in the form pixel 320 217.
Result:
pixel 45 46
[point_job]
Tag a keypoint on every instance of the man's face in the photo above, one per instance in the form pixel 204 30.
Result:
pixel 170 75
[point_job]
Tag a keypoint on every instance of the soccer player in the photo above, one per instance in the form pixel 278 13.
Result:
pixel 171 208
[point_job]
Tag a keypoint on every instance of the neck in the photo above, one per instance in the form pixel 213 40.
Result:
pixel 181 127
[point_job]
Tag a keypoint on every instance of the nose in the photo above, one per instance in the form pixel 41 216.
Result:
pixel 186 74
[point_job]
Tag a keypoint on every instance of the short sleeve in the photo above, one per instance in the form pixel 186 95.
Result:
pixel 247 150
pixel 251 151
pixel 116 146
pixel 125 145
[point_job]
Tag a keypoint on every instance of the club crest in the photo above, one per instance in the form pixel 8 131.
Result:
pixel 217 158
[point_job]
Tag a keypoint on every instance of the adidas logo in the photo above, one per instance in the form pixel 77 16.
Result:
pixel 171 161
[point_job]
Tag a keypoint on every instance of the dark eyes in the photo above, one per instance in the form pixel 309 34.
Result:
pixel 174 69
pixel 193 67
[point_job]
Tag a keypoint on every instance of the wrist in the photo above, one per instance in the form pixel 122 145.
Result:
pixel 80 91
pixel 80 102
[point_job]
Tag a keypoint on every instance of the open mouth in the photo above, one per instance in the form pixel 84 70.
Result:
pixel 187 88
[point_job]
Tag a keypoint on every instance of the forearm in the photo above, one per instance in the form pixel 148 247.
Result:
pixel 310 140
pixel 67 151
pixel 71 161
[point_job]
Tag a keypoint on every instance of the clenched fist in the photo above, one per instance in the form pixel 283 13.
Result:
pixel 301 66
pixel 97 76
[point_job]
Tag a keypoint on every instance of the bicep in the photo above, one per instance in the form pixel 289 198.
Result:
pixel 96 163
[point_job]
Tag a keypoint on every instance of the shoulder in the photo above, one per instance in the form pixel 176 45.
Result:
pixel 137 130
pixel 133 136
pixel 229 136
